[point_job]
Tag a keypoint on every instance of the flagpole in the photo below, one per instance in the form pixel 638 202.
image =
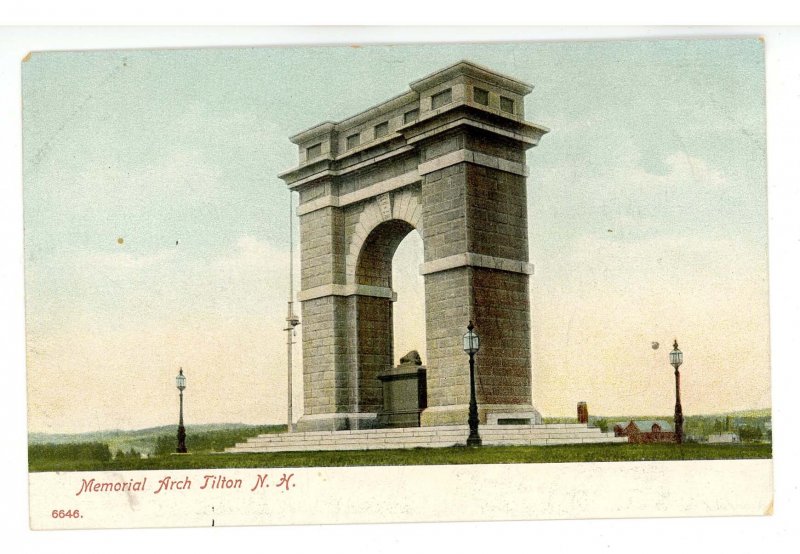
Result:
pixel 291 320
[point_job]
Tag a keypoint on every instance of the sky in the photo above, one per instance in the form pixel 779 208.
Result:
pixel 647 222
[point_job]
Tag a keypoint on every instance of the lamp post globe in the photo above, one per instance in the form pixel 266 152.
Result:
pixel 472 344
pixel 180 382
pixel 675 360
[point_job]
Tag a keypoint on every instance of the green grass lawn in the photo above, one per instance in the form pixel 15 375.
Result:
pixel 424 456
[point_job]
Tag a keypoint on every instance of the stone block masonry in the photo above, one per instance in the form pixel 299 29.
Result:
pixel 445 158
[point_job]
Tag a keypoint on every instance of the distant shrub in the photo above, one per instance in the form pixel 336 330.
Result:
pixel 750 433
pixel 132 454
pixel 165 445
pixel 602 424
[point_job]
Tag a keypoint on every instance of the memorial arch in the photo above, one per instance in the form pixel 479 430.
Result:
pixel 446 158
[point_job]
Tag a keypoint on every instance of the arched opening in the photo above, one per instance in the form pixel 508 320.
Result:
pixel 409 308
pixel 375 328
pixel 374 266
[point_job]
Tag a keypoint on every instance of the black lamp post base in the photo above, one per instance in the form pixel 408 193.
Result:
pixel 474 438
pixel 181 440
pixel 678 427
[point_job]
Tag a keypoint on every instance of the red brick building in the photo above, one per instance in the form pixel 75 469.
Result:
pixel 645 431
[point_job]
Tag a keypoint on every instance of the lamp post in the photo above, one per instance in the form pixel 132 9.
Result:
pixel 180 382
pixel 675 360
pixel 471 345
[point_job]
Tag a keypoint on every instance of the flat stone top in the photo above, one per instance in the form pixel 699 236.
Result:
pixel 466 67
pixel 326 127
pixel 402 370
pixel 463 67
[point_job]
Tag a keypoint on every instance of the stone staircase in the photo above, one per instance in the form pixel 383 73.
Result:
pixel 427 437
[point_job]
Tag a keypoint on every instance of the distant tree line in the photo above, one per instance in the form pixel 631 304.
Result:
pixel 212 441
pixel 81 451
pixel 749 429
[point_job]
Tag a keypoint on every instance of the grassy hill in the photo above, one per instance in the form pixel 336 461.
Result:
pixel 114 434
pixel 428 456
pixel 210 437
pixel 124 449
pixel 206 436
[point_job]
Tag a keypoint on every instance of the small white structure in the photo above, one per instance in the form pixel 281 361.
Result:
pixel 724 438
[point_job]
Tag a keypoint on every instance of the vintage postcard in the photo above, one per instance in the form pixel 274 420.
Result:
pixel 396 283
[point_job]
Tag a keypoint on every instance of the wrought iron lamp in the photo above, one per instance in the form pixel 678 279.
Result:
pixel 180 382
pixel 675 360
pixel 471 345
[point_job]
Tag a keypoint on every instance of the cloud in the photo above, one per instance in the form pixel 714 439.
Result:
pixel 121 264
pixel 688 196
pixel 597 309
pixel 131 289
pixel 627 254
pixel 134 318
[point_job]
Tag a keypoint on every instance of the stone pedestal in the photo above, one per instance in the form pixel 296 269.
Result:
pixel 404 395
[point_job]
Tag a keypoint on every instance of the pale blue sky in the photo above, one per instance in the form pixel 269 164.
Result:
pixel 647 210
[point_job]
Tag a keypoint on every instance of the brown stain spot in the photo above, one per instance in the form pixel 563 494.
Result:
pixel 27 57
pixel 355 46
pixel 770 509
pixel 120 240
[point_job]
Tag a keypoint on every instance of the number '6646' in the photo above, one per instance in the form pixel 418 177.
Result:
pixel 60 514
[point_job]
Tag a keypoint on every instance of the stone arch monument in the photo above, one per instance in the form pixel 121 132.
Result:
pixel 446 158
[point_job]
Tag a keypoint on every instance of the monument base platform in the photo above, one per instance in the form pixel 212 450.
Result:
pixel 434 416
pixel 427 437
pixel 337 422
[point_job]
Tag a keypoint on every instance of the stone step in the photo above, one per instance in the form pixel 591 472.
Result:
pixel 366 437
pixel 529 430
pixel 437 430
pixel 421 444
pixel 295 438
pixel 438 440
pixel 434 430
pixel 426 437
pixel 372 432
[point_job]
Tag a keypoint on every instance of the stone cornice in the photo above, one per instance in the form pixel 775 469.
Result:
pixel 323 128
pixel 299 176
pixel 466 115
pixel 477 158
pixel 346 290
pixel 471 259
